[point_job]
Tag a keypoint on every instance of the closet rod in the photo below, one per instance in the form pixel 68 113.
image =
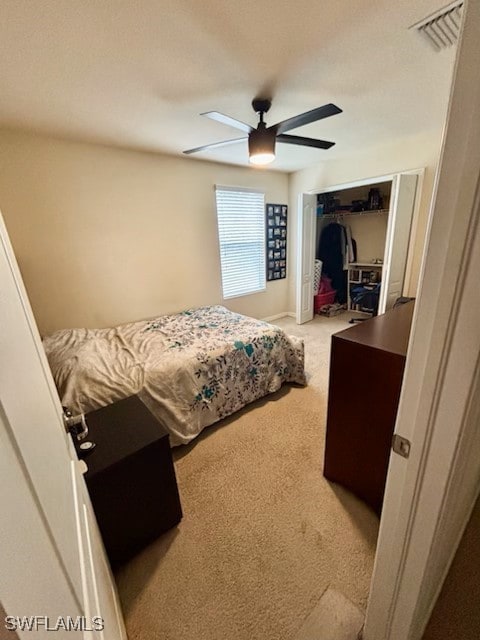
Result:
pixel 342 214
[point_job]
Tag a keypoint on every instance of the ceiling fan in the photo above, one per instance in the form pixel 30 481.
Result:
pixel 261 141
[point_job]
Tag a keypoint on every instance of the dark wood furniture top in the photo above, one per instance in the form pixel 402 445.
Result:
pixel 389 332
pixel 120 430
pixel 130 478
pixel 366 372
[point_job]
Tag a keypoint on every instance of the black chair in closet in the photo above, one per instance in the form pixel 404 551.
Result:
pixel 368 300
pixel 366 297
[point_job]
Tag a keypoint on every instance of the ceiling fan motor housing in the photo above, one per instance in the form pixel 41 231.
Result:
pixel 261 141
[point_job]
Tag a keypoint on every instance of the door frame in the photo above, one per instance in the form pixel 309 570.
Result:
pixel 430 496
pixel 364 182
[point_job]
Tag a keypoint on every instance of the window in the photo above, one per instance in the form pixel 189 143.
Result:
pixel 241 234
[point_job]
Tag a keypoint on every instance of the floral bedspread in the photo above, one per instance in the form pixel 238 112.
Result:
pixel 190 369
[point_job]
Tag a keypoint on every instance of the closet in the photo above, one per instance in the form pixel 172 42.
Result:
pixel 358 217
pixel 377 214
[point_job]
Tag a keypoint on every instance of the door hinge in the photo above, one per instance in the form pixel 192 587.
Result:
pixel 401 445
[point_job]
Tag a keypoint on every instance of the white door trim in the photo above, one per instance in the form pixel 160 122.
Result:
pixel 429 497
pixel 364 182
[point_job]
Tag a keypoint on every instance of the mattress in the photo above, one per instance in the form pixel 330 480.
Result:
pixel 191 369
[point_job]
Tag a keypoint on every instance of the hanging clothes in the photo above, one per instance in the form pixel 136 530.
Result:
pixel 344 248
pixel 352 250
pixel 337 249
pixel 331 251
pixel 349 247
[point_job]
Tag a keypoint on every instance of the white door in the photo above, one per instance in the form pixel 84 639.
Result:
pixel 429 495
pixel 52 555
pixel 306 256
pixel 397 240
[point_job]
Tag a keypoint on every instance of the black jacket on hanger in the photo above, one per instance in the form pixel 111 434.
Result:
pixel 330 252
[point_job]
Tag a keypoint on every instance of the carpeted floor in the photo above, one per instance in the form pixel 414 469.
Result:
pixel 263 534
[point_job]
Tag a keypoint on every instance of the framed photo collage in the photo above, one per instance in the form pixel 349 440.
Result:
pixel 276 241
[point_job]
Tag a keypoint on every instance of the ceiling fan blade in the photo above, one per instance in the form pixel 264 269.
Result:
pixel 306 118
pixel 205 147
pixel 305 142
pixel 231 122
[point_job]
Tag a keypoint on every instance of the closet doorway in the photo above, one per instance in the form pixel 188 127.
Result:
pixel 378 214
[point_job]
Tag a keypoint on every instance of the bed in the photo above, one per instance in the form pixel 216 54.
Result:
pixel 191 369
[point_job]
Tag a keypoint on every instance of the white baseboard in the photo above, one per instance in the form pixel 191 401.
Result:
pixel 277 316
pixel 291 314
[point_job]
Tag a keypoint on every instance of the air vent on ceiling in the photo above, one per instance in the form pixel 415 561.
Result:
pixel 442 28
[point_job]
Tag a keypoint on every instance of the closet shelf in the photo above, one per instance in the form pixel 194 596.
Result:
pixel 342 214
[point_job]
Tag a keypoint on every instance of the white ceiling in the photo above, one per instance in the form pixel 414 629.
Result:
pixel 138 73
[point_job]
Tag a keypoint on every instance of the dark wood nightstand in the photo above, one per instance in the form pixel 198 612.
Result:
pixel 130 478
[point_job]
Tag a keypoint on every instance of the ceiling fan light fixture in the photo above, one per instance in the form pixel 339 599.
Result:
pixel 262 158
pixel 261 146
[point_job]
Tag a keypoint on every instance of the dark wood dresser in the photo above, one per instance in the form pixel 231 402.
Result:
pixel 366 372
pixel 130 478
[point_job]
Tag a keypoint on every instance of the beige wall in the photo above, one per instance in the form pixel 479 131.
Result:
pixel 104 235
pixel 369 233
pixel 401 155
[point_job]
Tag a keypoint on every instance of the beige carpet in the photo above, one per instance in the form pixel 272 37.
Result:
pixel 263 534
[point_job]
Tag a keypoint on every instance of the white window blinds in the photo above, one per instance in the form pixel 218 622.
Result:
pixel 241 234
